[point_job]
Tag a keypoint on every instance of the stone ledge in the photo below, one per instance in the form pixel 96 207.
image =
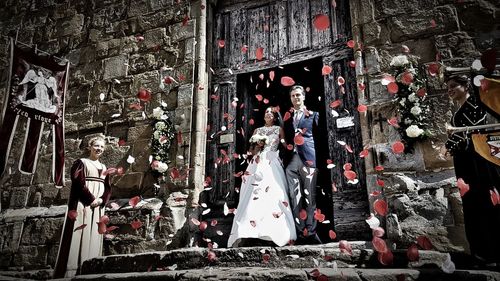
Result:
pixel 280 257
pixel 42 212
pixel 261 273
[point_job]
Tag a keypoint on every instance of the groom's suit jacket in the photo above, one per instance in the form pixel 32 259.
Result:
pixel 308 123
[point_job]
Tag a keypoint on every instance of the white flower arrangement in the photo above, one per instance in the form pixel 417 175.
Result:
pixel 414 131
pixel 416 110
pixel 259 138
pixel 159 166
pixel 161 139
pixel 410 100
pixel 400 60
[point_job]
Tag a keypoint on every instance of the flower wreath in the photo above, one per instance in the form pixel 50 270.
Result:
pixel 408 87
pixel 161 140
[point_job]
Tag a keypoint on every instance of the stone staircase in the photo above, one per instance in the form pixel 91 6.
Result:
pixel 308 262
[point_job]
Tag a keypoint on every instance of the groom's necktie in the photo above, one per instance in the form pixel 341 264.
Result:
pixel 296 118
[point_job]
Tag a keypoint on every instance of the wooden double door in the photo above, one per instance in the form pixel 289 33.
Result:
pixel 254 45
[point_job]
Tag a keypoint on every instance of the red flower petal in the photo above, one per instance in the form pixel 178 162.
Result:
pixel 378 231
pixel 340 80
pixel 379 168
pixel 407 78
pixel 380 183
pixel 379 245
pixel 72 214
pixel 347 167
pixel 375 193
pixel 122 142
pixel 133 201
pixel 203 225
pixel 422 92
pixel 244 49
pixel 495 198
pixel 335 103
pixel 104 219
pixel 136 224
pixel 326 70
pixel 380 207
pixel 350 43
pixel 352 64
pixel 350 175
pixel 412 253
pixel 433 69
pixel 393 122
pixel 80 227
pixel 386 258
pixel 289 147
pixel 362 108
pixel 221 43
pixel 345 247
pixel 424 242
pixel 144 95
pixel 285 203
pixel 287 116
pixel 259 53
pixel 348 148
pixel 392 88
pixel 321 22
pixel 213 222
pixel 398 147
pixel 211 256
pixel 332 234
pixel 363 153
pixel 271 75
pixel 287 81
pixel 253 223
pixel 303 214
pixel 266 257
pixel 101 227
pixel 298 139
pixel 361 86
pixel 462 187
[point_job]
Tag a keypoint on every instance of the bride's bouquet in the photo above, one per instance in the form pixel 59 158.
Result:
pixel 257 142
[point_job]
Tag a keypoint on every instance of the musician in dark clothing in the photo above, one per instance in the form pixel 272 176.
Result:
pixel 481 216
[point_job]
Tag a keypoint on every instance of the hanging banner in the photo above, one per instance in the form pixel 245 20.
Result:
pixel 490 95
pixel 488 146
pixel 37 89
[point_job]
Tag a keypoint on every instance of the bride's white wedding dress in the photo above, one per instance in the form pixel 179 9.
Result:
pixel 263 211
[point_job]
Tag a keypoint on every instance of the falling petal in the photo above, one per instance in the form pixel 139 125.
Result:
pixel 321 22
pixel 259 53
pixel 72 214
pixel 462 187
pixel 398 147
pixel 350 44
pixel 130 159
pixel 345 247
pixel 80 227
pixel 385 258
pixel 287 81
pixel 136 224
pixel 206 211
pixel 424 242
pixel 380 207
pixel 326 70
pixel 350 175
pixel 412 252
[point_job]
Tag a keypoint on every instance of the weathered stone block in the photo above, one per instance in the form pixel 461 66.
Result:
pixel 399 162
pixel 183 118
pixel 10 236
pixel 141 150
pixel 141 132
pixel 148 80
pixel 127 185
pixel 185 95
pixel 40 231
pixel 180 32
pixel 380 130
pixel 393 228
pixel 115 67
pixel 378 92
pixel 31 257
pixel 435 155
pixel 155 37
pixel 420 24
pixel 19 197
pixel 67 27
pixel 457 45
pixel 107 109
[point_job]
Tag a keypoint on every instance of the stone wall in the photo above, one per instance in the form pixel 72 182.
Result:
pixel 420 187
pixel 116 48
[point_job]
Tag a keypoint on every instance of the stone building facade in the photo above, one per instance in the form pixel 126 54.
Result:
pixel 118 47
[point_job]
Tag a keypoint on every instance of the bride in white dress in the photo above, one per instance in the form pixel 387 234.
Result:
pixel 263 211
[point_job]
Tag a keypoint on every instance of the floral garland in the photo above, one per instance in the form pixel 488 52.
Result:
pixel 408 87
pixel 163 135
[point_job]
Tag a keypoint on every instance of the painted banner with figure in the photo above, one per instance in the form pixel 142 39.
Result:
pixel 37 88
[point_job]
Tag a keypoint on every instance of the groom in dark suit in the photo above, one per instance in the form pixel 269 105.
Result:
pixel 300 163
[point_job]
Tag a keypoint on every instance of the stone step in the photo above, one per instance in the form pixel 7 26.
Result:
pixel 297 274
pixel 306 256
